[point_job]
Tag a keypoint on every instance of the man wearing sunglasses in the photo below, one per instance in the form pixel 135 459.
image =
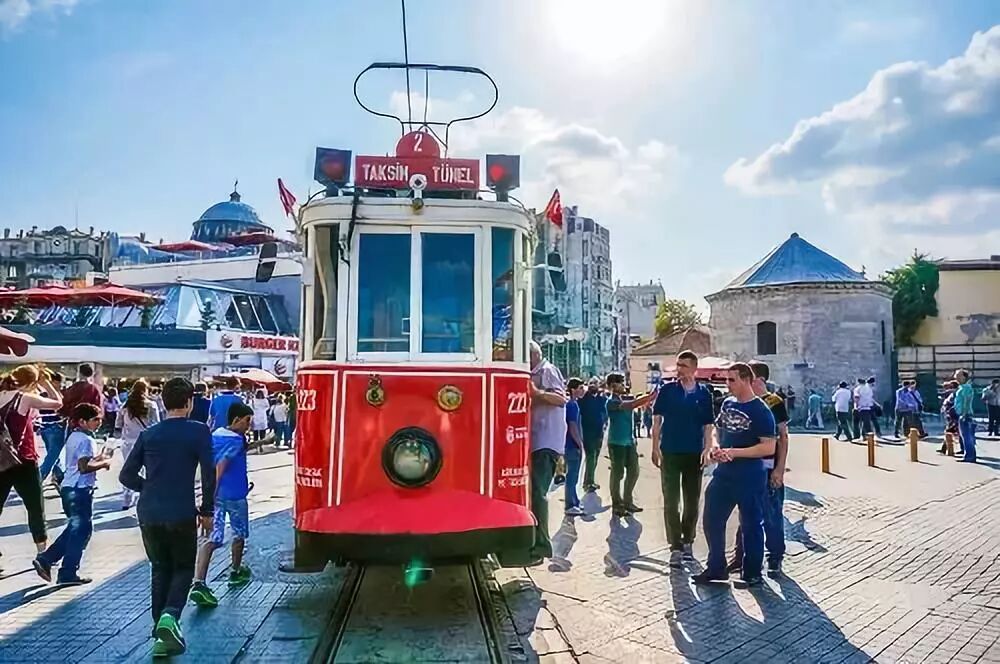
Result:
pixel 746 435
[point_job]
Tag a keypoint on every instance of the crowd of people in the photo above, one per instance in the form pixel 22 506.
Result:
pixel 745 439
pixel 166 434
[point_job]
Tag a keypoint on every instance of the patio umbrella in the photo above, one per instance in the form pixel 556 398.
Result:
pixel 185 246
pixel 709 368
pixel 259 378
pixel 14 343
pixel 103 295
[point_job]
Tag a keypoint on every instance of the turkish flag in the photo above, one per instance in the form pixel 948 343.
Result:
pixel 287 199
pixel 553 211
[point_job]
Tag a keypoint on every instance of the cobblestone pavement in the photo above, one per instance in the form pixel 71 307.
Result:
pixel 899 563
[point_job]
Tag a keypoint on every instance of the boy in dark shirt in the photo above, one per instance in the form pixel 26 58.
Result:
pixel 170 452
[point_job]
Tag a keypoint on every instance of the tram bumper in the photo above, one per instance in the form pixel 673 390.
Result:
pixel 429 525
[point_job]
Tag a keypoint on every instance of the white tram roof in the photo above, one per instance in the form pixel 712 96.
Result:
pixel 399 211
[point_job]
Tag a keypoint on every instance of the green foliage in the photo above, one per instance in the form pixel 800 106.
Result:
pixel 146 316
pixel 915 286
pixel 207 315
pixel 674 315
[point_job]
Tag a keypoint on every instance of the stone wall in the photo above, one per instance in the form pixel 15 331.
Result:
pixel 825 333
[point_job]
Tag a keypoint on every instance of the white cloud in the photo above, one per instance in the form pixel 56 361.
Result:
pixel 13 13
pixel 913 157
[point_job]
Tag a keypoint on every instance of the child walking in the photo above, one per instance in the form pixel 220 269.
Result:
pixel 229 448
pixel 77 492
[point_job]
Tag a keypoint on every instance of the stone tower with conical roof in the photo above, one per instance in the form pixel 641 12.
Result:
pixel 813 319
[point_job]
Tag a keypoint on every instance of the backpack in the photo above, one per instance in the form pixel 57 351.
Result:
pixel 9 457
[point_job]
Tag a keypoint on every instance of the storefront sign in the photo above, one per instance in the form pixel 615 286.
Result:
pixel 239 342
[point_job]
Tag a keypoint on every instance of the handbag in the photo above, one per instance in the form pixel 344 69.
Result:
pixel 9 457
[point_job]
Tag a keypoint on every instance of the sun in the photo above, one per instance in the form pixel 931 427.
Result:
pixel 616 32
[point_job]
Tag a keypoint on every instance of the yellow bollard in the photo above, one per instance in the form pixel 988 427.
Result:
pixel 871 449
pixel 949 444
pixel 824 458
pixel 914 439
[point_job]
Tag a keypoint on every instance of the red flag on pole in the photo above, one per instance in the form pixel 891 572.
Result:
pixel 287 198
pixel 553 211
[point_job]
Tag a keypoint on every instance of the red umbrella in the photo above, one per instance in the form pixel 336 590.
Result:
pixel 14 343
pixel 255 238
pixel 103 295
pixel 186 245
pixel 259 378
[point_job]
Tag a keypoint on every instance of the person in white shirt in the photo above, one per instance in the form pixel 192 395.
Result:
pixel 864 402
pixel 842 406
pixel 138 414
pixel 279 411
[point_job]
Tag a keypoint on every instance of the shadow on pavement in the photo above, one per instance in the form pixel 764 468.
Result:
pixel 623 546
pixel 804 498
pixel 114 613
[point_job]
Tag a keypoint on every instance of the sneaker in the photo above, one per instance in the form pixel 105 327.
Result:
pixel 160 647
pixel 168 631
pixel 576 510
pixel 74 581
pixel 689 553
pixel 633 508
pixel 559 480
pixel 734 566
pixel 676 558
pixel 591 488
pixel 774 571
pixel 43 570
pixel 240 577
pixel 203 596
pixel 705 579
pixel 749 582
pixel 620 512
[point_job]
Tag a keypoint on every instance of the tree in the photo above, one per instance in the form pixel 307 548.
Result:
pixel 915 286
pixel 207 315
pixel 674 315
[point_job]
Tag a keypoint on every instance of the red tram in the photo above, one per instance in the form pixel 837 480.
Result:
pixel 412 390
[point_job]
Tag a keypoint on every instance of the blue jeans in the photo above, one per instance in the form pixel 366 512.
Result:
pixel 68 547
pixel 282 433
pixel 724 494
pixel 54 437
pixel 574 459
pixel 774 525
pixel 967 432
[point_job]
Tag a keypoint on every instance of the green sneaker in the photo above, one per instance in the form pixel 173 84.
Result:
pixel 203 596
pixel 160 649
pixel 240 577
pixel 169 632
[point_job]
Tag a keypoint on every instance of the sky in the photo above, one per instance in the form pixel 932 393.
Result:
pixel 701 133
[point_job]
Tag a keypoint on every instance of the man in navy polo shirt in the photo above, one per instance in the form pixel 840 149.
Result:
pixel 593 421
pixel 682 436
pixel 747 433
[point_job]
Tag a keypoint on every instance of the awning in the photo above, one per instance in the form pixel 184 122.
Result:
pixel 186 245
pixel 258 378
pixel 709 367
pixel 103 295
pixel 14 343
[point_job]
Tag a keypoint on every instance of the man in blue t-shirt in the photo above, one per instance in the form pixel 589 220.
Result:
pixel 746 433
pixel 219 411
pixel 574 447
pixel 593 421
pixel 682 435
pixel 621 444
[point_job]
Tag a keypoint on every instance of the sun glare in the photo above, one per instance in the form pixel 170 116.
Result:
pixel 603 32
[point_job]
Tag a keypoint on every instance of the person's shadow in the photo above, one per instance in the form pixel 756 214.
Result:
pixel 623 546
pixel 562 545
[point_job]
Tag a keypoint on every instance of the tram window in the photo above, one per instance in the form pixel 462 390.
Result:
pixel 325 293
pixel 503 294
pixel 384 293
pixel 448 293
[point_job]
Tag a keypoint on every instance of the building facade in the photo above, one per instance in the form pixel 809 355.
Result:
pixel 968 302
pixel 58 255
pixel 589 290
pixel 813 319
pixel 636 307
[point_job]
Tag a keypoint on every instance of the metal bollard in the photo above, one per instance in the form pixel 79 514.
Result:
pixel 824 458
pixel 914 439
pixel 949 444
pixel 871 449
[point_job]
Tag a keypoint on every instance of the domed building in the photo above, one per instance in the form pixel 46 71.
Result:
pixel 813 319
pixel 226 219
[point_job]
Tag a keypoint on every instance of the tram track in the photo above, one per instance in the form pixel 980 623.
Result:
pixel 453 617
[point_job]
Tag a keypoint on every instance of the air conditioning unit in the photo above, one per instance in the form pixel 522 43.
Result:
pixel 96 278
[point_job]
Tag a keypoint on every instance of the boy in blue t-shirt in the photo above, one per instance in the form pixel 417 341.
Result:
pixel 229 447
pixel 621 445
pixel 574 447
pixel 218 411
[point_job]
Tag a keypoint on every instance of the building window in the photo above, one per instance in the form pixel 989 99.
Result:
pixel 767 338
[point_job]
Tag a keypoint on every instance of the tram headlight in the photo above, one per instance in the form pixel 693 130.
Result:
pixel 411 457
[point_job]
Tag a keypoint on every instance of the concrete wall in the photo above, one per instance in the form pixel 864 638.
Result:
pixel 968 309
pixel 825 334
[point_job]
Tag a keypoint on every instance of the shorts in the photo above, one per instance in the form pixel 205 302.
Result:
pixel 239 520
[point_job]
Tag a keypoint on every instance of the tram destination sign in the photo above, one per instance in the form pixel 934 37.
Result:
pixel 395 172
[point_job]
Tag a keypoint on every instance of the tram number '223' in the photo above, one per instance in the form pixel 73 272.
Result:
pixel 310 477
pixel 306 400
pixel 517 402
